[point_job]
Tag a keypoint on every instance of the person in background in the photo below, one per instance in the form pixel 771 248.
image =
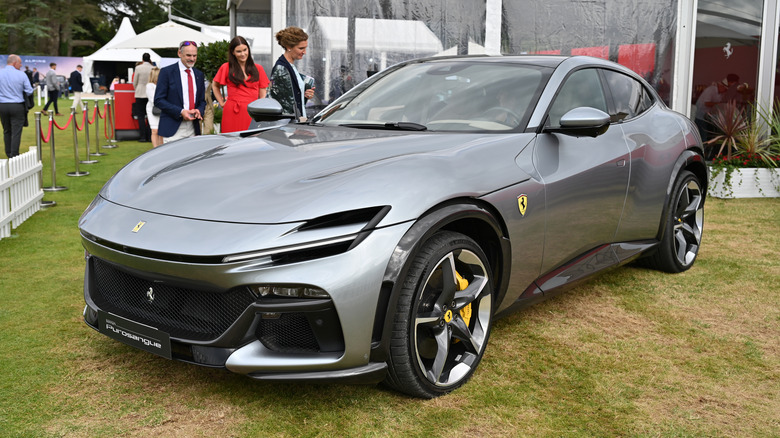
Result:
pixel 77 86
pixel 52 89
pixel 732 93
pixel 112 87
pixel 245 81
pixel 36 77
pixel 341 83
pixel 707 103
pixel 28 72
pixel 180 95
pixel 14 89
pixel 154 120
pixel 287 85
pixel 140 79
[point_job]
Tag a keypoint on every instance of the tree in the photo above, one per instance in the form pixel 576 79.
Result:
pixel 48 27
pixel 79 27
pixel 211 12
pixel 20 26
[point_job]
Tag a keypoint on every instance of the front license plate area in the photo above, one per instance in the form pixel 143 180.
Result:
pixel 135 334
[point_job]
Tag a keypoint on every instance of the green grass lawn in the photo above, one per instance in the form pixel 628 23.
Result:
pixel 634 352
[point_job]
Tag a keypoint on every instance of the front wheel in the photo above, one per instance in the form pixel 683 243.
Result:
pixel 443 317
pixel 684 225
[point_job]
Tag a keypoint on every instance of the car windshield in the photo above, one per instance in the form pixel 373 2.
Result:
pixel 443 96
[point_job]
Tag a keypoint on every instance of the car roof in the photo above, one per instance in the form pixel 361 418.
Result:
pixel 542 60
pixel 552 61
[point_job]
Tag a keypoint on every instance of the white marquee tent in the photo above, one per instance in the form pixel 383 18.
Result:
pixel 110 53
pixel 165 35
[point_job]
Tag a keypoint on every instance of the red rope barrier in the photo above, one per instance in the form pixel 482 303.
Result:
pixel 94 114
pixel 48 136
pixel 62 128
pixel 83 121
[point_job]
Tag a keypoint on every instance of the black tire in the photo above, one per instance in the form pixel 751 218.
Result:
pixel 440 327
pixel 683 227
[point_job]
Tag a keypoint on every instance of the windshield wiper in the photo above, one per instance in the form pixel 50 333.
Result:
pixel 399 126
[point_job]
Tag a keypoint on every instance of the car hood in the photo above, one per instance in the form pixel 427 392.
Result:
pixel 296 173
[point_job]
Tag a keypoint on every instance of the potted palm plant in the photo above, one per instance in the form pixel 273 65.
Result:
pixel 749 166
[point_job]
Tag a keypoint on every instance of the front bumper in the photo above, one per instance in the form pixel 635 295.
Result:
pixel 267 338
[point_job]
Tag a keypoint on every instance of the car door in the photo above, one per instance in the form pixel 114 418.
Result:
pixel 585 179
pixel 654 138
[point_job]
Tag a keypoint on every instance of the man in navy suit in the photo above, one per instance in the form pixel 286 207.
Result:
pixel 180 95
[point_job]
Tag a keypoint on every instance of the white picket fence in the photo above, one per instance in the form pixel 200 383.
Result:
pixel 20 191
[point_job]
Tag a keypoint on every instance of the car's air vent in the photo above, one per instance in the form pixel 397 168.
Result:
pixel 370 216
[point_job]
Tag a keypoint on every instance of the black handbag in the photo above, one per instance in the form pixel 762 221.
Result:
pixel 156 111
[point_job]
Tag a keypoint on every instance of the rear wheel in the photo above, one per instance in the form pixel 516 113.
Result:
pixel 684 224
pixel 443 317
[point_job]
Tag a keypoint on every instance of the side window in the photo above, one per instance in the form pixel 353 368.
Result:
pixel 582 88
pixel 630 96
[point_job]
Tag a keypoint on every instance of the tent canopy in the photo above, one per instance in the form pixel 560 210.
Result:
pixel 166 35
pixel 111 53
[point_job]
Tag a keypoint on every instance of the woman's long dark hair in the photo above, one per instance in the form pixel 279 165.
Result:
pixel 235 74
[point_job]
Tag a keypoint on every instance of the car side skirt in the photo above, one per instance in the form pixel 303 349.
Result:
pixel 578 270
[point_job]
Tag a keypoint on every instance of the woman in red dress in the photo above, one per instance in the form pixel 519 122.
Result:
pixel 245 81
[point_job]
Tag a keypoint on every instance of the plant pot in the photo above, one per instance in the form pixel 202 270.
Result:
pixel 747 182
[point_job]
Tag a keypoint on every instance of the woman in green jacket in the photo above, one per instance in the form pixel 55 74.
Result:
pixel 288 86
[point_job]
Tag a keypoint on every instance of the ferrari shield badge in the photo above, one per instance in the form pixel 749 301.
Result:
pixel 522 204
pixel 138 226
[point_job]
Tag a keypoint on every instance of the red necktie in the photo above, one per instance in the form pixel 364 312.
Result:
pixel 191 89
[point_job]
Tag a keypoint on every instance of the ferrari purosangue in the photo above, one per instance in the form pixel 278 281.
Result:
pixel 380 240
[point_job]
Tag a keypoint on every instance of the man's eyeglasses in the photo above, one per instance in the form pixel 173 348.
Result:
pixel 188 43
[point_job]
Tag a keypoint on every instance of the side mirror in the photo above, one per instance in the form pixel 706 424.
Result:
pixel 267 110
pixel 583 122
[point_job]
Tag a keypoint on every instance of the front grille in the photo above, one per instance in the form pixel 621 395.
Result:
pixel 182 313
pixel 290 333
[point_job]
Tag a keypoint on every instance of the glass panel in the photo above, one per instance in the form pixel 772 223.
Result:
pixel 445 96
pixel 726 57
pixel 349 40
pixel 631 98
pixel 582 88
pixel 637 34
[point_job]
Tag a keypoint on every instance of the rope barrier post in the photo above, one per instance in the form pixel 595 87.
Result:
pixel 76 145
pixel 54 187
pixel 86 134
pixel 111 115
pixel 44 204
pixel 107 125
pixel 97 152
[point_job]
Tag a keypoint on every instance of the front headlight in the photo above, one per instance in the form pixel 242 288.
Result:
pixel 276 254
pixel 347 229
pixel 289 291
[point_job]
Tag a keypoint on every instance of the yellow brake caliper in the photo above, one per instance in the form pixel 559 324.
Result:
pixel 465 312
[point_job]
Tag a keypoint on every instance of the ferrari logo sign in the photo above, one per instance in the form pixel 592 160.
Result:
pixel 138 226
pixel 522 203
